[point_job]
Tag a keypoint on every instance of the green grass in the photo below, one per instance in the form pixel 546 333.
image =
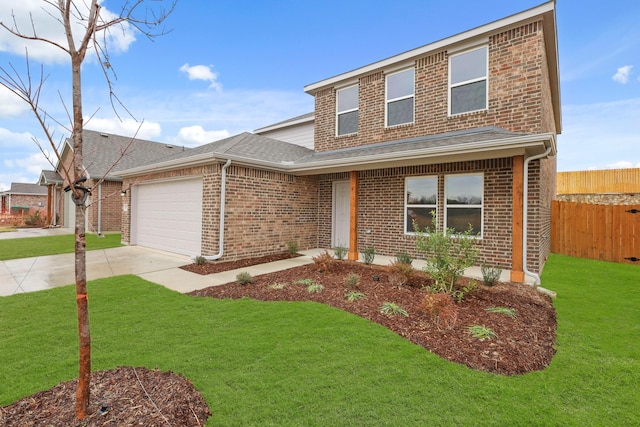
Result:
pixel 305 364
pixel 27 247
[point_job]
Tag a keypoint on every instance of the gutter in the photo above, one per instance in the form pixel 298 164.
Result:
pixel 223 187
pixel 525 202
pixel 100 209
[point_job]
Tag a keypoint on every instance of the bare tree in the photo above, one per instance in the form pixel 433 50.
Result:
pixel 95 27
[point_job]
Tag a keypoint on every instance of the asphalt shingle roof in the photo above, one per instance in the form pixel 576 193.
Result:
pixel 22 188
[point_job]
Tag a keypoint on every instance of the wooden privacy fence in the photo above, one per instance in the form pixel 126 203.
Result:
pixel 599 181
pixel 603 232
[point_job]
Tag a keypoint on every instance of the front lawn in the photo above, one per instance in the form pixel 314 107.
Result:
pixel 305 364
pixel 27 247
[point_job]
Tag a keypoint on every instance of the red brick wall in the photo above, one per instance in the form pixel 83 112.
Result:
pixel 381 209
pixel 519 96
pixel 264 211
pixel 110 207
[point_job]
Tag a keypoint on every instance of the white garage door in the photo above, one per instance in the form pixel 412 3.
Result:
pixel 168 216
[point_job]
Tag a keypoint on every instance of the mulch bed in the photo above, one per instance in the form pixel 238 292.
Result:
pixel 119 397
pixel 218 267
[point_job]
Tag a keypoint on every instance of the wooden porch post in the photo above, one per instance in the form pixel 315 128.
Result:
pixel 517 272
pixel 49 205
pixel 353 217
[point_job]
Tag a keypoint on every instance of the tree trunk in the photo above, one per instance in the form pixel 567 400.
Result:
pixel 84 334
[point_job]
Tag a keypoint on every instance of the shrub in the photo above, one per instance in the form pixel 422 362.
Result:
pixel 315 288
pixel 355 296
pixel 200 260
pixel 368 255
pixel 404 258
pixel 35 219
pixel 323 261
pixel 340 252
pixel 441 308
pixel 481 332
pixel 292 247
pixel 244 278
pixel 393 309
pixel 400 273
pixel 507 311
pixel 352 280
pixel 490 275
pixel 447 254
pixel 305 282
pixel 462 292
pixel 278 285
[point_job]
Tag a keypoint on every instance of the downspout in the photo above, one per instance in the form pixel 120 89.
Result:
pixel 223 186
pixel 525 215
pixel 99 209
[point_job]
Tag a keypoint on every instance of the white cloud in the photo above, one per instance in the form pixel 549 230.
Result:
pixel 202 72
pixel 192 136
pixel 127 127
pixel 35 163
pixel 623 164
pixel 10 104
pixel 10 140
pixel 600 135
pixel 44 17
pixel 622 76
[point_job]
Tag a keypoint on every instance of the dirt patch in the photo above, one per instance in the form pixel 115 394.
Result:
pixel 524 343
pixel 119 397
pixel 218 267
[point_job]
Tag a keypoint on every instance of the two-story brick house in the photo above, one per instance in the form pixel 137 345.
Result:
pixel 464 127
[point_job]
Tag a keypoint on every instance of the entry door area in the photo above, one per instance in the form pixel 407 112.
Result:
pixel 167 215
pixel 341 214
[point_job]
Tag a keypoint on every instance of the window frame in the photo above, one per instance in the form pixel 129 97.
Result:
pixel 469 81
pixel 351 110
pixel 407 205
pixel 388 101
pixel 447 206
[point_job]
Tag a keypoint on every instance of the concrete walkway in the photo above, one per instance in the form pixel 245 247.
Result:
pixel 163 268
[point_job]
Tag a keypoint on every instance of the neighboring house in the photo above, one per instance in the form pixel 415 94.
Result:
pixel 298 130
pixel 605 187
pixel 464 127
pixel 103 155
pixel 24 199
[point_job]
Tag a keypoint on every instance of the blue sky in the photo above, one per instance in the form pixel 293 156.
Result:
pixel 232 66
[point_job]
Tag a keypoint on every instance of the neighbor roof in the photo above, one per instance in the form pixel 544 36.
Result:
pixel 304 118
pixel 102 150
pixel 27 189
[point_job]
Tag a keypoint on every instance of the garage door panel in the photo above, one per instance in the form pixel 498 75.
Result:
pixel 169 216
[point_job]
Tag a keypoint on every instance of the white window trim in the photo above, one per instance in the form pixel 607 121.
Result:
pixel 413 205
pixel 446 205
pixel 338 113
pixel 388 101
pixel 486 77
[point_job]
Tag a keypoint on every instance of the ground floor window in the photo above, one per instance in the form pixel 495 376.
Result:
pixel 421 202
pixel 464 202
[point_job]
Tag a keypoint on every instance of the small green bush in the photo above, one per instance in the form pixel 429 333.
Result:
pixel 278 285
pixel 490 275
pixel 244 278
pixel 368 255
pixel 305 282
pixel 315 288
pixel 355 296
pixel 462 292
pixel 481 332
pixel 340 252
pixel 292 247
pixel 393 309
pixel 404 258
pixel 200 260
pixel 352 280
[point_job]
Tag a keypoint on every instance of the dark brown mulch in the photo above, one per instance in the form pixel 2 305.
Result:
pixel 217 267
pixel 127 397
pixel 523 344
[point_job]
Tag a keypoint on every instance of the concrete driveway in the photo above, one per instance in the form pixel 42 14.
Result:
pixel 34 274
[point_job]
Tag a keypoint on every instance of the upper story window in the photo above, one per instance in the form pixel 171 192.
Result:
pixel 400 95
pixel 468 81
pixel 464 202
pixel 421 202
pixel 347 110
